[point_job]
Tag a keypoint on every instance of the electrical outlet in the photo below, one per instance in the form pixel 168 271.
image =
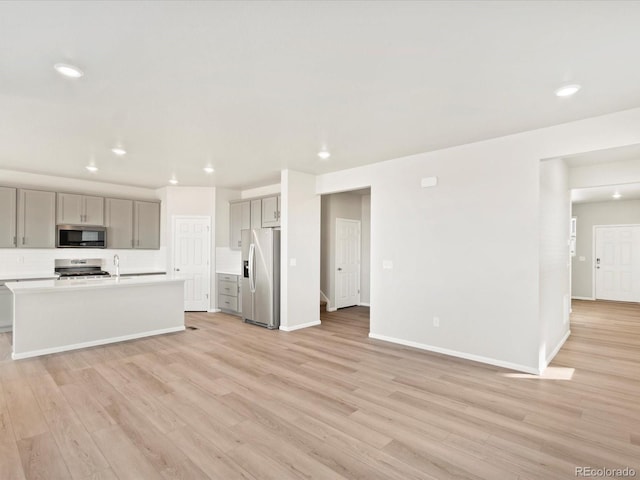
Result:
pixel 20 259
pixel 436 321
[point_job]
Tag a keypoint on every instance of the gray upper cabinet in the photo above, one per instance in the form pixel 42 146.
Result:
pixel 239 219
pixel 8 217
pixel 256 213
pixel 119 222
pixel 76 209
pixel 36 219
pixel 271 211
pixel 146 225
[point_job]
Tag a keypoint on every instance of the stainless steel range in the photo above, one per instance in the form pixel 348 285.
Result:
pixel 80 268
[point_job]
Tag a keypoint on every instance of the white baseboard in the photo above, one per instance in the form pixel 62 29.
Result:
pixel 557 349
pixel 331 309
pixel 298 327
pixel 94 343
pixel 582 298
pixel 362 304
pixel 454 353
pixel 214 310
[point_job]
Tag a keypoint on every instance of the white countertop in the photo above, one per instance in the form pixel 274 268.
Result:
pixel 91 283
pixel 229 272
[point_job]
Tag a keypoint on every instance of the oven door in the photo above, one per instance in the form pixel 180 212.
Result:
pixel 79 236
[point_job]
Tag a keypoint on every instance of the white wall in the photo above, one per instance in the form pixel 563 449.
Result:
pixel 300 242
pixel 197 201
pixel 365 271
pixel 41 260
pixel 555 265
pixel 619 212
pixel 261 191
pixel 608 173
pixel 11 178
pixel 468 250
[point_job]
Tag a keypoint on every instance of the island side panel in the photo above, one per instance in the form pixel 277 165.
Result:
pixel 49 321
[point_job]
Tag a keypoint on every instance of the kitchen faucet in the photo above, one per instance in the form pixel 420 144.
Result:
pixel 116 262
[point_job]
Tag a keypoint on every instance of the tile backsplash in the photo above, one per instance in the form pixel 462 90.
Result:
pixel 41 261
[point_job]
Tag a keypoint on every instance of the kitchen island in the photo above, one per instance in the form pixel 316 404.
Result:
pixel 52 316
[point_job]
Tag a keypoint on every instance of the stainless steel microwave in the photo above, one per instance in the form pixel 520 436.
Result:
pixel 81 236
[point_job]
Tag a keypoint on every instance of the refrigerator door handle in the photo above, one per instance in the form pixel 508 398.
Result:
pixel 252 278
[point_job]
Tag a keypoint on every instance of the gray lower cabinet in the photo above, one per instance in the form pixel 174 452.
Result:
pixel 8 217
pixel 6 309
pixel 229 293
pixel 119 222
pixel 146 225
pixel 74 209
pixel 36 219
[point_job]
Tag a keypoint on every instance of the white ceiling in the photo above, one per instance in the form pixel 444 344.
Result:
pixel 254 87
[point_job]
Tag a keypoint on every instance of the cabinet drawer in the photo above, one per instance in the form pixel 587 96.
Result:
pixel 227 278
pixel 228 303
pixel 228 288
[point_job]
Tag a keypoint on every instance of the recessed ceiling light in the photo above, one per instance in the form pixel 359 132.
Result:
pixel 617 195
pixel 92 168
pixel 67 70
pixel 209 170
pixel 119 151
pixel 173 181
pixel 568 90
pixel 323 154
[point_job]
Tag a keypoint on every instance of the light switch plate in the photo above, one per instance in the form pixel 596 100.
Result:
pixel 387 264
pixel 293 262
pixel 429 182
pixel 582 259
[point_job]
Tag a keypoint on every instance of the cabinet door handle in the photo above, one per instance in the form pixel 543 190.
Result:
pixel 15 241
pixel 275 214
pixel 24 240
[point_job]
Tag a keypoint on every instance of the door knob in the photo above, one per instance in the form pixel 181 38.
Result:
pixel 339 269
pixel 177 269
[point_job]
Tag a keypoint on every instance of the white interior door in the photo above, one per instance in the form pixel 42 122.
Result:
pixel 617 263
pixel 191 259
pixel 347 263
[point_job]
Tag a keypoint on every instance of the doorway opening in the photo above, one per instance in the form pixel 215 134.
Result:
pixel 191 259
pixel 345 264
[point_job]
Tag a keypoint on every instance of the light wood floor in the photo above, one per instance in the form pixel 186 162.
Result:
pixel 231 400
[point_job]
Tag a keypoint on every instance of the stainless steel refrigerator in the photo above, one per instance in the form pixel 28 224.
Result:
pixel 261 277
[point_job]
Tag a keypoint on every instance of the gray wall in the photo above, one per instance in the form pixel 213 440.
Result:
pixel 341 205
pixel 620 212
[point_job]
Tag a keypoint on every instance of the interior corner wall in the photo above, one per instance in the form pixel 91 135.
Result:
pixel 618 212
pixel 300 251
pixel 555 263
pixel 468 250
pixel 338 205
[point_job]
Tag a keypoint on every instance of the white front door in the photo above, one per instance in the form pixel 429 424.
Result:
pixel 617 263
pixel 191 260
pixel 347 262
